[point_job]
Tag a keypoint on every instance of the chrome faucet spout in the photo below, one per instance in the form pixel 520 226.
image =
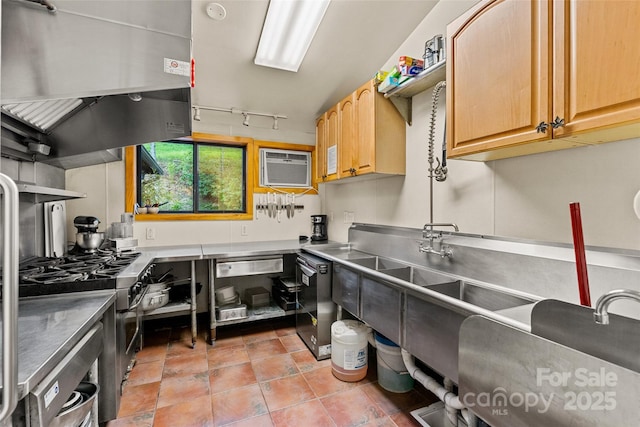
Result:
pixel 601 313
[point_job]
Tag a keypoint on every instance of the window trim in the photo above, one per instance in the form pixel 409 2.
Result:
pixel 131 181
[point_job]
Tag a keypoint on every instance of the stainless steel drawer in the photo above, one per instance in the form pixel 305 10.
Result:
pixel 248 267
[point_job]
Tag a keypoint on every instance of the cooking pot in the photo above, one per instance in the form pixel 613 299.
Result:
pixel 89 239
pixel 153 300
pixel 74 413
pixel 157 287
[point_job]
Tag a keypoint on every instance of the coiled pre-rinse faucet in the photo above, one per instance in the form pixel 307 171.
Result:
pixel 439 173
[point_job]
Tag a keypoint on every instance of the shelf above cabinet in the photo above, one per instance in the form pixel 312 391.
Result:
pixel 401 96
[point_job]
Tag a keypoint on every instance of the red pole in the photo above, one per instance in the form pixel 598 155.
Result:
pixel 581 260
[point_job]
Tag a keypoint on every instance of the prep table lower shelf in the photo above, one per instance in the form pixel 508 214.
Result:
pixel 261 313
pixel 171 309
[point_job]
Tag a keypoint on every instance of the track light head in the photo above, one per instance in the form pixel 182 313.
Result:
pixel 196 114
pixel 246 119
pixel 275 123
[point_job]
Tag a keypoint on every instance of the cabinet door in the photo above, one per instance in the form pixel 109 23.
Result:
pixel 347 136
pixel 365 146
pixel 597 62
pixel 321 149
pixel 331 149
pixel 498 76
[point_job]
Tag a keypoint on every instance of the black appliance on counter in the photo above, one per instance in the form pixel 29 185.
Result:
pixel 315 311
pixel 97 270
pixel 319 228
pixel 86 224
pixel 88 239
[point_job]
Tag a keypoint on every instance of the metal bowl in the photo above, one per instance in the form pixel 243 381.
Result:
pixel 89 240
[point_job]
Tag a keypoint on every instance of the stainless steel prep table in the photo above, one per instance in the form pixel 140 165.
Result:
pixel 150 255
pixel 49 326
pixel 248 250
pixel 210 252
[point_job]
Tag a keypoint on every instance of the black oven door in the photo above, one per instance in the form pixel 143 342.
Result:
pixel 307 306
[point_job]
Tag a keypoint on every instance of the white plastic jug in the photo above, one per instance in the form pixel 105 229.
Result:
pixel 349 348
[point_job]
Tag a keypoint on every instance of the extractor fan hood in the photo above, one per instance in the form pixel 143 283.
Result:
pixel 93 76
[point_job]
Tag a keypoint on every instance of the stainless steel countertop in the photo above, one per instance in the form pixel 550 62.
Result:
pixel 49 326
pixel 148 255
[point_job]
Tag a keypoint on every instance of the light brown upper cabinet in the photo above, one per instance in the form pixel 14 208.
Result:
pixel 525 77
pixel 347 135
pixel 371 135
pixel 327 146
pixel 320 156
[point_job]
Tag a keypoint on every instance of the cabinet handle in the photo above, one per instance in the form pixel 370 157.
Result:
pixel 557 123
pixel 353 171
pixel 542 127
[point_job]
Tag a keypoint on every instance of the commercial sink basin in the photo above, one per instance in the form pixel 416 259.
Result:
pixel 385 266
pixel 573 326
pixel 377 263
pixel 345 253
pixel 480 296
pixel 437 322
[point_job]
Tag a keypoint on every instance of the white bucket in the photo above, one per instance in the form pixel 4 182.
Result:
pixel 392 373
pixel 349 347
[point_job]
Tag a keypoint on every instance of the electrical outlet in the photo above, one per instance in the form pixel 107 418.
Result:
pixel 151 233
pixel 243 230
pixel 331 216
pixel 345 217
pixel 351 217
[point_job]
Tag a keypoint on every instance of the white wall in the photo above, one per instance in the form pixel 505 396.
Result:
pixel 524 197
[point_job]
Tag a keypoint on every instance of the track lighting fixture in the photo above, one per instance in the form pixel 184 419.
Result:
pixel 245 114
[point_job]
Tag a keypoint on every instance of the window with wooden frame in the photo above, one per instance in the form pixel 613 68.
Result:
pixel 199 178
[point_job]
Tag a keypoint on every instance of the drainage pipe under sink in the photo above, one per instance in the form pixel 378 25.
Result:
pixel 451 400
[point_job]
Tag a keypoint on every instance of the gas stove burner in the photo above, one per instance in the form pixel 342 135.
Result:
pixel 29 271
pixel 72 273
pixel 54 276
pixel 105 273
pixel 40 262
pixel 80 267
pixel 94 258
pixel 128 255
pixel 119 262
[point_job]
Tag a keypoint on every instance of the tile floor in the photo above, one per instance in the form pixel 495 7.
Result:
pixel 258 374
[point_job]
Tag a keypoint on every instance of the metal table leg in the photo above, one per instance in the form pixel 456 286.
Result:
pixel 194 325
pixel 212 303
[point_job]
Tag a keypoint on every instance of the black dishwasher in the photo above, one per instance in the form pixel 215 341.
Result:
pixel 315 311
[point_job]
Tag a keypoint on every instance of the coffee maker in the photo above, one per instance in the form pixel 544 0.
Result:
pixel 319 228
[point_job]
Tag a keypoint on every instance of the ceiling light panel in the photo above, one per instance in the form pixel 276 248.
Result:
pixel 287 33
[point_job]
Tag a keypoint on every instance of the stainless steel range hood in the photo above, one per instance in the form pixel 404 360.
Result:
pixel 93 76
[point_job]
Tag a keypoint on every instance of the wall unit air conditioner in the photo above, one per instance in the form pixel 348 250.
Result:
pixel 284 168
